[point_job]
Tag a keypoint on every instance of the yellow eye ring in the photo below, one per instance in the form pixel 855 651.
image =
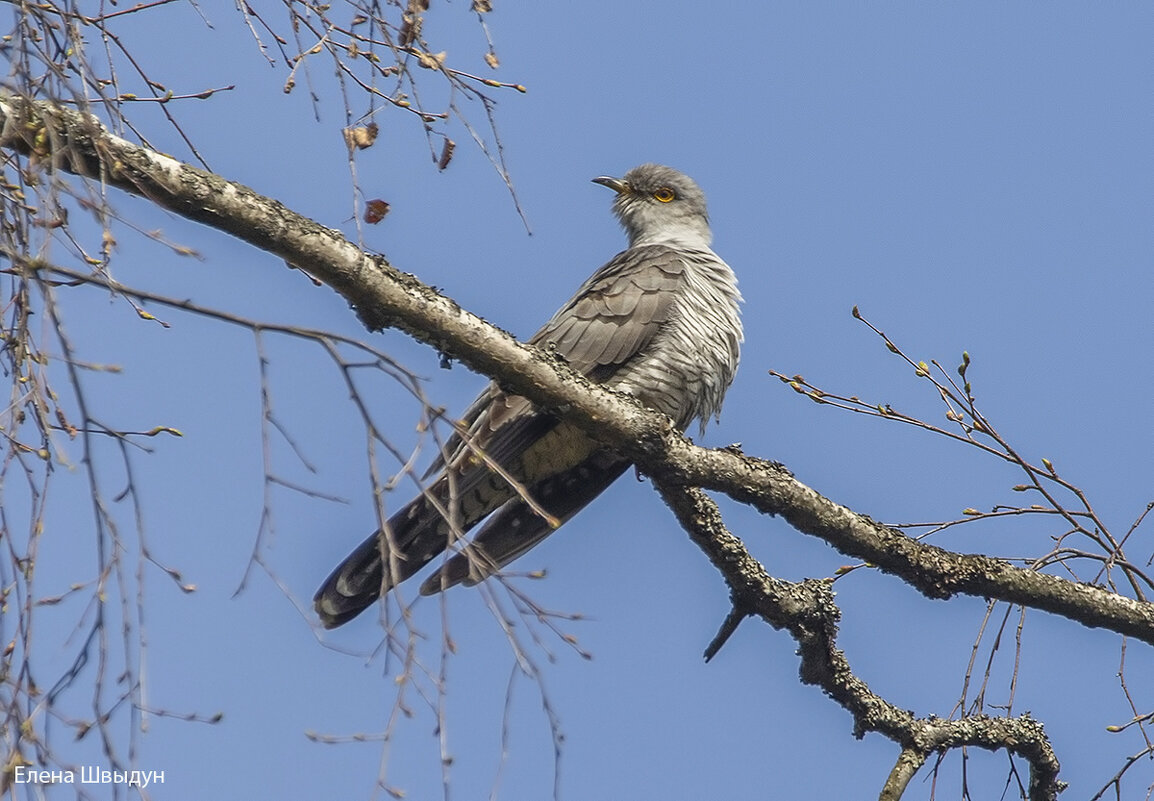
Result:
pixel 664 194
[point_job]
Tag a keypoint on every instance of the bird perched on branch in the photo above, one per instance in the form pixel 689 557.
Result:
pixel 659 322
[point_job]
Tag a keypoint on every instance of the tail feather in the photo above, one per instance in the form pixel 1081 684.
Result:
pixel 516 527
pixel 419 532
pixel 416 534
pixel 353 586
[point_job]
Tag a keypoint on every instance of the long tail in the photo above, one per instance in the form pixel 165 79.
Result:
pixel 418 532
pixel 515 527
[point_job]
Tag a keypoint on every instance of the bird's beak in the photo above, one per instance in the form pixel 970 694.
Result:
pixel 616 184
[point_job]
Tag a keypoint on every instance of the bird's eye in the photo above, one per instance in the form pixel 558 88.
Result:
pixel 664 194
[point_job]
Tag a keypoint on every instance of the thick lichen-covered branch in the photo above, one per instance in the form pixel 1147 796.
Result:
pixel 385 297
pixel 807 610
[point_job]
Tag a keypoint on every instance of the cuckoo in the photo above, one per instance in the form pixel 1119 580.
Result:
pixel 658 322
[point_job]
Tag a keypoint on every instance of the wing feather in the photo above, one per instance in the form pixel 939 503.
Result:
pixel 612 317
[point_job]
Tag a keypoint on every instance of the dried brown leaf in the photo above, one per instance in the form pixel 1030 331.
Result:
pixel 446 153
pixel 375 211
pixel 361 137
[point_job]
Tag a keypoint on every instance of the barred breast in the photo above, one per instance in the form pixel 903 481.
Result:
pixel 693 357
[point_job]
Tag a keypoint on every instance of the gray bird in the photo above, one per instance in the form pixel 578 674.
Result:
pixel 660 322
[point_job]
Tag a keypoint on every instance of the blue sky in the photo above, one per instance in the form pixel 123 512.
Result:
pixel 973 177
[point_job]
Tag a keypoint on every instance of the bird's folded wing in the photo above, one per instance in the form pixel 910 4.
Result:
pixel 611 319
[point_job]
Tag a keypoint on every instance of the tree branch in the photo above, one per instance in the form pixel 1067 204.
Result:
pixel 935 572
pixel 909 761
pixel 807 610
pixel 385 297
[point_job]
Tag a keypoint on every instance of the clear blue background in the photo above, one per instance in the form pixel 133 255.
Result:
pixel 973 176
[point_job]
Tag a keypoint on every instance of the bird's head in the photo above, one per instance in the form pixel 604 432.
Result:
pixel 658 204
